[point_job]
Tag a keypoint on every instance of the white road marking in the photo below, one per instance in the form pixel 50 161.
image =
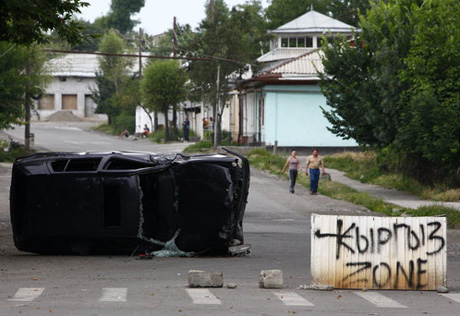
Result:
pixel 379 300
pixel 27 294
pixel 202 296
pixel 453 297
pixel 292 299
pixel 114 294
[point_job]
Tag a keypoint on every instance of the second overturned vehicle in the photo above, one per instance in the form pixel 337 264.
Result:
pixel 127 202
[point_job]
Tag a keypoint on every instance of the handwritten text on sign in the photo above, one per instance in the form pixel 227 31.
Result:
pixel 379 252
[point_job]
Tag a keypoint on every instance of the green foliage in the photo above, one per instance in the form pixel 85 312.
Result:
pixel 453 216
pixel 381 169
pixel 120 13
pixel 102 96
pixel 124 120
pixel 280 12
pixel 204 146
pixel 27 22
pixel 431 126
pixel 10 155
pixel 396 87
pixel 92 34
pixel 158 136
pixel 117 93
pixel 21 71
pixel 262 159
pixel 163 88
pixel 106 128
pixel 232 39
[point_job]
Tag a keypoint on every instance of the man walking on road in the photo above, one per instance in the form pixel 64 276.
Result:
pixel 314 163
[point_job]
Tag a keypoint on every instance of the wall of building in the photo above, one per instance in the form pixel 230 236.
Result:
pixel 293 118
pixel 143 118
pixel 69 93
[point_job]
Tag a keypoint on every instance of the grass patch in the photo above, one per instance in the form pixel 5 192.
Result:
pixel 11 155
pixel 204 146
pixel 453 216
pixel 262 159
pixel 363 166
pixel 157 137
pixel 105 128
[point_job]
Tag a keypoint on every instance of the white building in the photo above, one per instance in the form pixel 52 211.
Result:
pixel 74 79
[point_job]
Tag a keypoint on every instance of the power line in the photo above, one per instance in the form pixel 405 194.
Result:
pixel 126 55
pixel 208 58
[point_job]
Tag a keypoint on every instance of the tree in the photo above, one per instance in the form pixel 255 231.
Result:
pixel 361 81
pixel 395 88
pixel 22 80
pixel 120 13
pixel 111 77
pixel 163 87
pixel 280 12
pixel 430 124
pixel 232 40
pixel 28 21
pixel 349 11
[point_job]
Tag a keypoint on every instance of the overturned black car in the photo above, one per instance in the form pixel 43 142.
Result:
pixel 127 202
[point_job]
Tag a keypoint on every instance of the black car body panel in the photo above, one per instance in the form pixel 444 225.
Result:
pixel 128 201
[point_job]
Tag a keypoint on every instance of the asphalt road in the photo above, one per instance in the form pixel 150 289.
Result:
pixel 277 225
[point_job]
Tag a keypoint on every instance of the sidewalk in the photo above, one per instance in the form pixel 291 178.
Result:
pixel 392 196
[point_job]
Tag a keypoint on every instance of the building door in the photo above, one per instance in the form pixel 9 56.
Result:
pixel 89 106
pixel 69 102
pixel 46 102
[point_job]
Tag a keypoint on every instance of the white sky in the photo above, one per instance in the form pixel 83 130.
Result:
pixel 157 15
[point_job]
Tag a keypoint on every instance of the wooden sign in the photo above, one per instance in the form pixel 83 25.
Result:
pixel 399 253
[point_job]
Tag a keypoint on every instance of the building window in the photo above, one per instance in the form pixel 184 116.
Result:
pixel 284 42
pixel 297 41
pixel 69 102
pixel 46 102
pixel 301 42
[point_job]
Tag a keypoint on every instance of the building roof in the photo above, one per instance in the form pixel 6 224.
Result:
pixel 282 53
pixel 314 22
pixel 75 65
pixel 305 66
pixel 80 65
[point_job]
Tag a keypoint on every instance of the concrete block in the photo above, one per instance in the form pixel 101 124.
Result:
pixel 198 278
pixel 442 289
pixel 271 279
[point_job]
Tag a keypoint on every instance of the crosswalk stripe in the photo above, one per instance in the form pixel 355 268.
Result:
pixel 453 297
pixel 292 299
pixel 114 294
pixel 379 300
pixel 27 294
pixel 202 296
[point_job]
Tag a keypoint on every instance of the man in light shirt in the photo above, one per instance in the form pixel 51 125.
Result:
pixel 313 166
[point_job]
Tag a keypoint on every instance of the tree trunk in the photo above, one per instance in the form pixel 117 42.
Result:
pixel 174 120
pixel 166 126
pixel 155 121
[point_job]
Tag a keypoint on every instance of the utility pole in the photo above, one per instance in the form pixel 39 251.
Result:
pixel 174 38
pixel 27 107
pixel 139 46
pixel 217 108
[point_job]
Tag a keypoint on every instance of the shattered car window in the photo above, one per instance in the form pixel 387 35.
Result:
pixel 126 202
